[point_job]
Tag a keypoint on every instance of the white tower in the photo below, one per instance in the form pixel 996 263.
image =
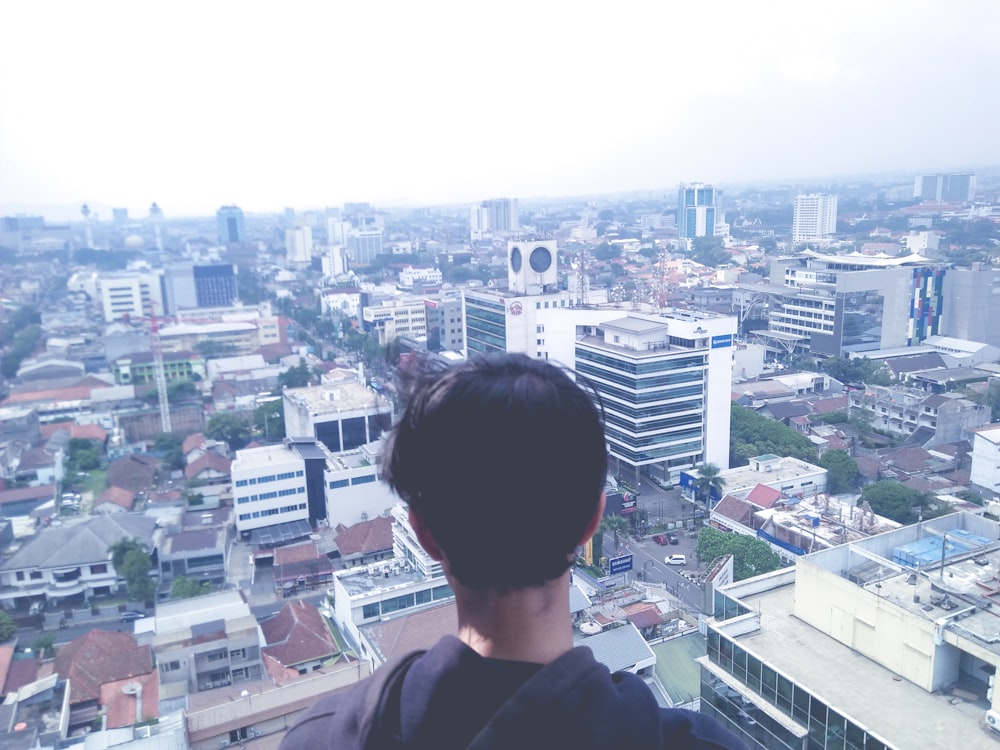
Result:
pixel 531 266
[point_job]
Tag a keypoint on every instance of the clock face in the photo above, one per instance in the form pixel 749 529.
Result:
pixel 515 259
pixel 540 259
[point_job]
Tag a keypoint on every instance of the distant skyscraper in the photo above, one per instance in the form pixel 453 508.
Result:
pixel 696 204
pixel 230 224
pixel 945 188
pixel 119 216
pixel 815 217
pixel 499 214
pixel 299 244
pixel 363 245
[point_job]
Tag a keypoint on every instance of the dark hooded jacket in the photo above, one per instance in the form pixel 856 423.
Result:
pixel 450 697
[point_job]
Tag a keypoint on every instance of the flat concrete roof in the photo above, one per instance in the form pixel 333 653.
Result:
pixel 743 477
pixel 892 708
pixel 344 396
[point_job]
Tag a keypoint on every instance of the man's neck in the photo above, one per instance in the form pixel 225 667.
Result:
pixel 531 624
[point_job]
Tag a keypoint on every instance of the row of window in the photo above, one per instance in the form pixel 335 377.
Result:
pixel 646 397
pixel 638 383
pixel 270 495
pixel 271 511
pixel 827 728
pixel 270 478
pixel 388 606
pixel 643 367
pixel 651 440
pixel 692 449
pixel 336 484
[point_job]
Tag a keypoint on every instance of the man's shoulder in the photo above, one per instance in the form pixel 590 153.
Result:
pixel 343 719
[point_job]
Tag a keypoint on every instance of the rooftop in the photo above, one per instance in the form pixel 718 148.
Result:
pixel 332 399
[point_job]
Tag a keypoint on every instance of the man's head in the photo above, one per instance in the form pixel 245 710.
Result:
pixel 503 460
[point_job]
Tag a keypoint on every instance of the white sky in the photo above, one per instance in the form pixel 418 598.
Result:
pixel 308 104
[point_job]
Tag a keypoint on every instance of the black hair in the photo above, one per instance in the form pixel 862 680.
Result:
pixel 504 459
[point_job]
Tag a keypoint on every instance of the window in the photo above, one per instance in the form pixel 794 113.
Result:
pixel 170 666
pixel 338 483
pixel 239 653
pixel 35 575
pixel 20 575
pixel 369 611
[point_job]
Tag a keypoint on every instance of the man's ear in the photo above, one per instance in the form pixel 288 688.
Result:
pixel 424 536
pixel 595 521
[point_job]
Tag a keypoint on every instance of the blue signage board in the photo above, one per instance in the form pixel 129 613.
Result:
pixel 720 341
pixel 620 564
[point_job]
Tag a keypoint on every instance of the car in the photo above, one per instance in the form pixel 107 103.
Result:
pixel 675 560
pixel 672 539
pixel 131 616
pixel 661 539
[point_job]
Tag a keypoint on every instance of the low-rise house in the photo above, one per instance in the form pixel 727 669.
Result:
pixel 109 671
pixel 298 641
pixel 941 417
pixel 71 562
pixel 22 501
pixel 364 542
pixel 203 643
pixel 208 467
pixel 114 500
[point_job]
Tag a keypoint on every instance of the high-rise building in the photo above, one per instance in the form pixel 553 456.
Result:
pixel 363 245
pixel 837 304
pixel 299 244
pixel 131 294
pixel 665 382
pixel 342 415
pixel 230 224
pixel 119 216
pixel 972 304
pixel 276 484
pixel 815 217
pixel 945 188
pixel 189 285
pixel 696 208
pixel 534 316
pixel 503 215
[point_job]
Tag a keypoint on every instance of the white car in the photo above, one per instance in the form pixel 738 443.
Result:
pixel 675 560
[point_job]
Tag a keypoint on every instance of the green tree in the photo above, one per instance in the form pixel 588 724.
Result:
pixel 606 252
pixel 708 483
pixel 43 645
pixel 295 377
pixel 233 428
pixel 185 588
pixel 751 556
pixel 269 420
pixel 615 525
pixel 7 626
pixel 842 471
pixel 751 434
pixel 709 251
pixel 183 391
pixel 132 562
pixel 897 501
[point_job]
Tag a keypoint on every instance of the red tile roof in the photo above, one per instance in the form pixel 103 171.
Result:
pixel 100 657
pixel 117 496
pixel 42 492
pixel 366 537
pixel 208 462
pixel 120 700
pixel 296 553
pixel 6 657
pixel 763 496
pixel 297 634
pixel 197 440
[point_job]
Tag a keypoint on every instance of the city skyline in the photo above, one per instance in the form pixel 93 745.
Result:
pixel 424 105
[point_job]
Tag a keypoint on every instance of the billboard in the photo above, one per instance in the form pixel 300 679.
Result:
pixel 720 341
pixel 620 564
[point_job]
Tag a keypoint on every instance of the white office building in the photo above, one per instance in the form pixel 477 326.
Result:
pixel 814 217
pixel 131 295
pixel 665 382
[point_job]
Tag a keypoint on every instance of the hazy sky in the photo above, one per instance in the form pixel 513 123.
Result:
pixel 308 104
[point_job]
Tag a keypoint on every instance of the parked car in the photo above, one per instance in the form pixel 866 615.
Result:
pixel 675 560
pixel 131 616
